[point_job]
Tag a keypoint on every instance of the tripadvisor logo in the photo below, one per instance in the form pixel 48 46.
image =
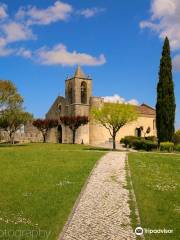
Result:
pixel 139 231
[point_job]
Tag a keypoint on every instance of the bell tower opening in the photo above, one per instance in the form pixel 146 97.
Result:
pixel 84 92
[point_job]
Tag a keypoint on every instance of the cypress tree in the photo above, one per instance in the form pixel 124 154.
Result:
pixel 165 106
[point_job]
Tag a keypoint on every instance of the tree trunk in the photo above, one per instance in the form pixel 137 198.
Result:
pixel 11 137
pixel 44 138
pixel 74 135
pixel 114 141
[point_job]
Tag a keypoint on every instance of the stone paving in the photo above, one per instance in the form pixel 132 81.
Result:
pixel 102 212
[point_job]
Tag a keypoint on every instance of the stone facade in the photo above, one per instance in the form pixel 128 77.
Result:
pixel 26 134
pixel 78 100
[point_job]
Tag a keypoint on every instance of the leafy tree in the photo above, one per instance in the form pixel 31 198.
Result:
pixel 74 122
pixel 12 115
pixel 44 125
pixel 165 106
pixel 9 96
pixel 176 137
pixel 114 116
pixel 12 120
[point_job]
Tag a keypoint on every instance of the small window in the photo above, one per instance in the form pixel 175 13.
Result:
pixel 59 107
pixel 154 124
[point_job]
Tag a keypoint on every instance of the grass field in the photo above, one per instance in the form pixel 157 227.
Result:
pixel 156 183
pixel 39 184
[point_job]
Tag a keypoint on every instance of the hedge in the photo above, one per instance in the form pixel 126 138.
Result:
pixel 128 140
pixel 146 145
pixel 139 143
pixel 167 146
pixel 177 148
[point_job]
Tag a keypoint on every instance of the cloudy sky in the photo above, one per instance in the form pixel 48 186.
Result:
pixel 117 43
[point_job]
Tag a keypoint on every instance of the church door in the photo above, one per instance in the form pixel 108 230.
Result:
pixel 59 134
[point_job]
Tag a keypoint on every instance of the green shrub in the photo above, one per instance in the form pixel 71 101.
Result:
pixel 140 143
pixel 143 144
pixel 176 137
pixel 177 148
pixel 151 138
pixel 128 140
pixel 167 146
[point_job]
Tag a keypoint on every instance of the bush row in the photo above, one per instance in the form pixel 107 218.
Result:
pixel 138 143
pixel 167 146
pixel 148 144
pixel 177 148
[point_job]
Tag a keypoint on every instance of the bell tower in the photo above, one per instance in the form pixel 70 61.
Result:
pixel 78 92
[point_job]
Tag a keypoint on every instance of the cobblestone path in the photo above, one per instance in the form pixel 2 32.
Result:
pixel 103 211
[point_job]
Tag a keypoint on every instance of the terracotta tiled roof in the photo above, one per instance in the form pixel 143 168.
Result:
pixel 146 110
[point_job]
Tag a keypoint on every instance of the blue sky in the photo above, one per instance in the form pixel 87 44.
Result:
pixel 118 43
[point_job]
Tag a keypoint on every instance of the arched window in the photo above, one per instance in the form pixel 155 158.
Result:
pixel 69 92
pixel 83 92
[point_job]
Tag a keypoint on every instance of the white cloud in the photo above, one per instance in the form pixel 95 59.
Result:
pixel 165 21
pixel 3 11
pixel 58 12
pixel 4 51
pixel 176 62
pixel 19 28
pixel 14 32
pixel 3 42
pixel 162 8
pixel 118 99
pixel 114 99
pixel 24 53
pixel 59 55
pixel 133 102
pixel 90 12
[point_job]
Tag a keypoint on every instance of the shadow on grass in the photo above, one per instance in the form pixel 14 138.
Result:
pixel 105 149
pixel 4 145
pixel 97 149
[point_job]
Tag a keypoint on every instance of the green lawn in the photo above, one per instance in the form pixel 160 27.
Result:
pixel 39 184
pixel 156 182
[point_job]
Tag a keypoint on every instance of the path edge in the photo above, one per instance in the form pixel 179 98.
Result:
pixel 61 235
pixel 132 193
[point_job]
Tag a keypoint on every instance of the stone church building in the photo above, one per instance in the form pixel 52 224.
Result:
pixel 79 100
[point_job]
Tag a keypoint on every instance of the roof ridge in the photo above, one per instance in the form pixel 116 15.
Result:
pixel 146 105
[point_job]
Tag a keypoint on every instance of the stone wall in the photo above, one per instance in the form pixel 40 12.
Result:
pixel 26 135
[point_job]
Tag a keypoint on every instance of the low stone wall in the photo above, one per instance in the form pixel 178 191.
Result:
pixel 26 135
